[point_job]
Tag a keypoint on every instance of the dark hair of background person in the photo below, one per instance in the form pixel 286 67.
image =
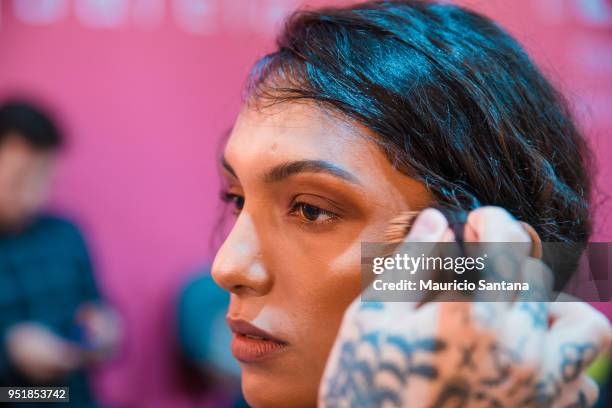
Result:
pixel 25 120
pixel 454 101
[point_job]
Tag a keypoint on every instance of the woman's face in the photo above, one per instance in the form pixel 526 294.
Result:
pixel 308 188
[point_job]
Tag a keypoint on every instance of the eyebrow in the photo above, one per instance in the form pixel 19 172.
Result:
pixel 287 169
pixel 228 167
pixel 284 170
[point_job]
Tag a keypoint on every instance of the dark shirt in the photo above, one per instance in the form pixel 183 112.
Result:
pixel 45 274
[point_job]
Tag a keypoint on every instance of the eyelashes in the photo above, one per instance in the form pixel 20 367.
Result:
pixel 305 212
pixel 308 213
pixel 235 199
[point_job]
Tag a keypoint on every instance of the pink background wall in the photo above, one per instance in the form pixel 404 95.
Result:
pixel 145 88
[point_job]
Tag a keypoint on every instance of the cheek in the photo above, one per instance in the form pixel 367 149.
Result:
pixel 317 286
pixel 332 283
pixel 309 297
pixel 315 280
pixel 320 301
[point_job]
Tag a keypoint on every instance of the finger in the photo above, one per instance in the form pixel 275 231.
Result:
pixel 578 333
pixel 581 321
pixel 429 226
pixel 523 331
pixel 427 229
pixel 490 225
pixel 494 224
pixel 582 393
pixel 503 242
pixel 540 279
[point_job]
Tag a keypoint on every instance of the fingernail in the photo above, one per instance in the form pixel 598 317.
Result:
pixel 429 226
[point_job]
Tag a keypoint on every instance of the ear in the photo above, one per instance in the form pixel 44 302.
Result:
pixel 536 242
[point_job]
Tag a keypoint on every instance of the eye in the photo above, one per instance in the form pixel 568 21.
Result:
pixel 236 199
pixel 312 214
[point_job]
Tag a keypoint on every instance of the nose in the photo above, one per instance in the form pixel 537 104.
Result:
pixel 238 266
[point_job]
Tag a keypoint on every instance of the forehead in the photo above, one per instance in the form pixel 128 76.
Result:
pixel 298 131
pixel 262 140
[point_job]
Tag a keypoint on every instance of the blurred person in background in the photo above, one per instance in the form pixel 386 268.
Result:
pixel 53 324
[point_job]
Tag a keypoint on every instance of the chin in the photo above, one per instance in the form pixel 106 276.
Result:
pixel 261 389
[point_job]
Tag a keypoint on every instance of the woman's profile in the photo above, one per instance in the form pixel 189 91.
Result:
pixel 360 114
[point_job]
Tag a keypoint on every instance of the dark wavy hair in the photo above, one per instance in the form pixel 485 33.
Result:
pixel 453 99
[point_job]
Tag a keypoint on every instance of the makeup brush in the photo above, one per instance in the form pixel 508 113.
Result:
pixel 399 227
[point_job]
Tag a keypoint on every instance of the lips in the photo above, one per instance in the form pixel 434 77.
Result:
pixel 251 344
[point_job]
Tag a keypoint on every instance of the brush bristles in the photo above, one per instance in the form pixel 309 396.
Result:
pixel 399 227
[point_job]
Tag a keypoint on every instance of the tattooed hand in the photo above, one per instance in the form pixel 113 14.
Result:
pixel 465 354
